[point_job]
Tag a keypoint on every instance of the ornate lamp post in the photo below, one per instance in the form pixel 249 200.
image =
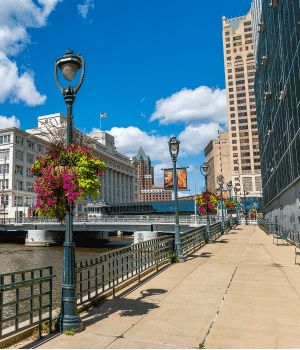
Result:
pixel 229 186
pixel 174 150
pixel 220 181
pixel 245 194
pixel 68 317
pixel 205 171
pixel 237 213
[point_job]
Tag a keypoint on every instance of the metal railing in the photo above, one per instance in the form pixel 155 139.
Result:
pixel 262 224
pixel 22 300
pixel 193 239
pixel 104 272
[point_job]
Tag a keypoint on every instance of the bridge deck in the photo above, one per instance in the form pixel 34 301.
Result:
pixel 240 292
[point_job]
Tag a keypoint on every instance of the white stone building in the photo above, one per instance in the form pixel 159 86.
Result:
pixel 21 149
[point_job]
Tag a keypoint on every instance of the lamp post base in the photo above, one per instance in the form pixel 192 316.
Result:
pixel 66 323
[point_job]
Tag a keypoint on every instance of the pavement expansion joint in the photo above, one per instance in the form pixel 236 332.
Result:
pixel 227 290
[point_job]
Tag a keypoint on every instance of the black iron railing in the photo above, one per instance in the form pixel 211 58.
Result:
pixel 25 300
pixel 193 239
pixel 104 272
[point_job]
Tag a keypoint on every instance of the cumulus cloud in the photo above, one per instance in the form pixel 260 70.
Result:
pixel 195 138
pixel 129 140
pixel 9 122
pixel 17 87
pixel 83 9
pixel 15 17
pixel 200 105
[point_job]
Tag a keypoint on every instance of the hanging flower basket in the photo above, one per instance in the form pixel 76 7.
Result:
pixel 64 176
pixel 230 205
pixel 207 200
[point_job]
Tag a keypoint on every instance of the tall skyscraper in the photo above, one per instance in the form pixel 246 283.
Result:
pixel 147 191
pixel 241 107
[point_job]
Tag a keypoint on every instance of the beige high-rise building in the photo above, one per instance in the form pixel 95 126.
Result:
pixel 212 158
pixel 241 108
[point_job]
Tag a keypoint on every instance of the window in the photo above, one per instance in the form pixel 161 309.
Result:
pixel 231 109
pixel 18 201
pixel 243 94
pixel 256 167
pixel 229 70
pixel 239 69
pixel 228 58
pixel 4 153
pixel 5 199
pixel 227 33
pixel 248 36
pixel 247 29
pixel 234 50
pixel 227 45
pixel 29 187
pixel 247 48
pixel 232 115
pixel 240 75
pixel 241 49
pixel 242 121
pixel 240 88
pixel 250 55
pixel 230 89
pixel 234 142
pixel 236 168
pixel 243 114
pixel 19 170
pixel 240 82
pixel 234 148
pixel 28 172
pixel 28 202
pixel 4 139
pixel 229 76
pixel 231 96
pixel 30 144
pixel 20 186
pixel 19 155
pixel 245 147
pixel 248 23
pixel 230 83
pixel 5 184
pixel 30 158
pixel 241 108
pixel 5 168
pixel 248 42
pixel 237 37
pixel 241 101
pixel 250 81
pixel 232 121
pixel 251 86
pixel 228 52
pixel 243 127
pixel 231 102
pixel 246 154
pixel 19 140
pixel 233 135
pixel 227 39
pixel 255 146
pixel 39 148
pixel 238 58
pixel 243 134
pixel 233 128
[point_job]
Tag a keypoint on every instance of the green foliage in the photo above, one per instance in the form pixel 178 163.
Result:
pixel 207 200
pixel 174 258
pixel 70 331
pixel 201 346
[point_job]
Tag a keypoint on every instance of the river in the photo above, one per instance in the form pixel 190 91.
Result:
pixel 17 257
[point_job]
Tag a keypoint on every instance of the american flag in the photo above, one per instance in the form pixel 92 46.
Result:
pixel 103 115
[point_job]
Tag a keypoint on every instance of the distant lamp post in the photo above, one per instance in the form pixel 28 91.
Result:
pixel 68 317
pixel 229 186
pixel 174 150
pixel 220 181
pixel 237 212
pixel 205 171
pixel 245 194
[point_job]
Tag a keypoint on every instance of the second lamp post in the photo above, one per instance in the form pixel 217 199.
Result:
pixel 205 171
pixel 174 150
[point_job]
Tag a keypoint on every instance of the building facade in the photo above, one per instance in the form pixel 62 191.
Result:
pixel 277 90
pixel 19 149
pixel 212 158
pixel 241 107
pixel 147 191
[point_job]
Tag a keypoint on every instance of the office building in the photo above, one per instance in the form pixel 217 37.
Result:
pixel 212 158
pixel 241 107
pixel 277 90
pixel 147 191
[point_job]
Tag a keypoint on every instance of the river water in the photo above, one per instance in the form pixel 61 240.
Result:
pixel 18 257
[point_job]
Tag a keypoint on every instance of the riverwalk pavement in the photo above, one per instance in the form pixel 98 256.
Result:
pixel 242 291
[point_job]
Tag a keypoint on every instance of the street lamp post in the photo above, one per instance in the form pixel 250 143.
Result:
pixel 237 213
pixel 174 150
pixel 205 171
pixel 68 317
pixel 245 194
pixel 220 181
pixel 195 195
pixel 229 186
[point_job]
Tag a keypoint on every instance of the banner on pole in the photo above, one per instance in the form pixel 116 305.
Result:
pixel 218 194
pixel 181 179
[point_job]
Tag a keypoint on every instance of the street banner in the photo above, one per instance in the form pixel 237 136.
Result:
pixel 218 194
pixel 181 179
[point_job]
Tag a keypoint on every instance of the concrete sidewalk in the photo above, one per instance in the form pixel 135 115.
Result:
pixel 239 292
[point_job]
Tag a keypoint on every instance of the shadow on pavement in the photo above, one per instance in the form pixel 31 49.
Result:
pixel 223 241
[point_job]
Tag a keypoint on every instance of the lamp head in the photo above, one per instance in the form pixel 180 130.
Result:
pixel 205 167
pixel 229 185
pixel 174 146
pixel 69 65
pixel 220 180
pixel 235 190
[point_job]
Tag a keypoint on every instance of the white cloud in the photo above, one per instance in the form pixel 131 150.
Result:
pixel 201 105
pixel 83 9
pixel 195 138
pixel 17 87
pixel 129 140
pixel 9 122
pixel 15 17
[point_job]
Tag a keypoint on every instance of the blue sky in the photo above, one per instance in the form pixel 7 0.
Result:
pixel 155 67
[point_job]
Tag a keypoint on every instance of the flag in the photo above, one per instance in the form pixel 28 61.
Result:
pixel 103 115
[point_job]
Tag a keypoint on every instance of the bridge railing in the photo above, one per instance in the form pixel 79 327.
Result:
pixel 193 239
pixel 25 300
pixel 102 273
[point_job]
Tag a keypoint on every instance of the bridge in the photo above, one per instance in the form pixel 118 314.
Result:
pixel 46 231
